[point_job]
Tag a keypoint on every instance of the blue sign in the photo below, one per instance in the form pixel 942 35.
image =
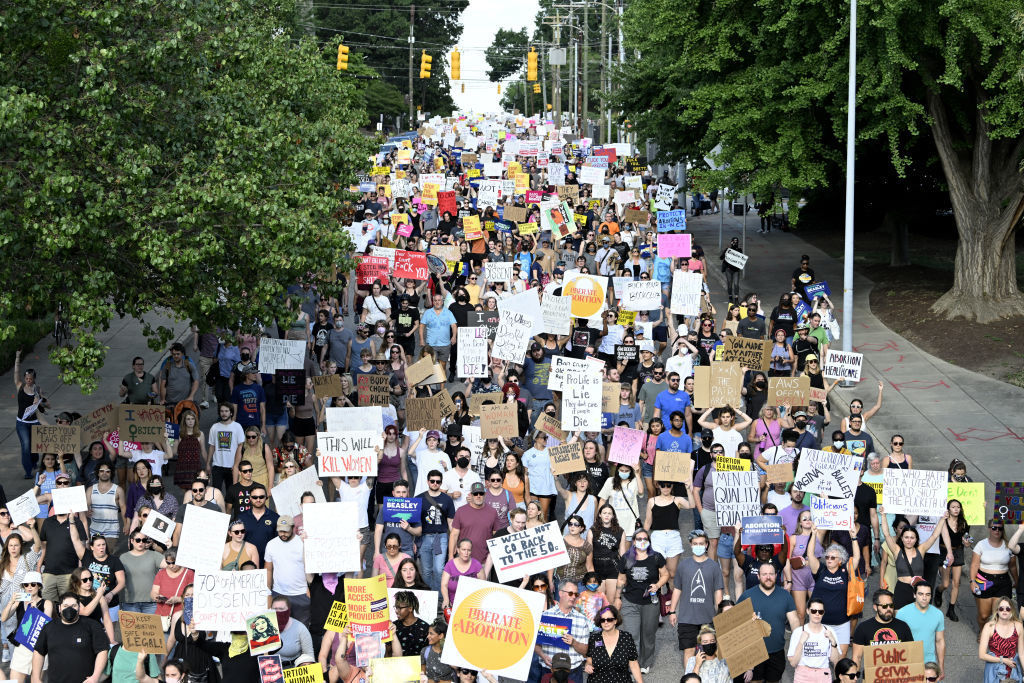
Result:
pixel 763 530
pixel 816 289
pixel 399 509
pixel 30 627
pixel 186 615
pixel 552 629
pixel 672 220
pixel 802 310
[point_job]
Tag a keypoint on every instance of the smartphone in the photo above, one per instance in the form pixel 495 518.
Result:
pixel 21 596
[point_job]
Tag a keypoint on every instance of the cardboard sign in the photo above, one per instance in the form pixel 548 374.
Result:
pixel 736 259
pixel 792 390
pixel 827 473
pixel 56 439
pixel 763 530
pixel 737 495
pixel 332 537
pixel 740 638
pixel 141 423
pixel 566 458
pixel 527 552
pixel 419 371
pixel 779 474
pixel 641 295
pixel 23 508
pixel 367 601
pixel 717 386
pixel 345 454
pixel 327 386
pixel 422 413
pixel 686 291
pixel 370 269
pixel 159 527
pixel 674 245
pixel 402 510
pixel 337 619
pixel 972 499
pixel 842 365
pixel 915 492
pixel 201 542
pixel 828 513
pixel 224 600
pixel 549 425
pixel 93 426
pixel 374 390
pixel 476 401
pixel 493 627
pixel 141 632
pixel 516 214
pixel 610 397
pixel 749 353
pixel 446 252
pixel 636 216
pixel 672 466
pixel 30 627
pixel 626 445
pixel 498 420
pixel 894 663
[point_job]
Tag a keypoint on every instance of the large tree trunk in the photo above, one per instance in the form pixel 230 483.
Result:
pixel 986 189
pixel 896 224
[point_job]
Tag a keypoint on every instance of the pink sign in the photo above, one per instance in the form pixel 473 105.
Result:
pixel 626 445
pixel 405 229
pixel 534 196
pixel 674 245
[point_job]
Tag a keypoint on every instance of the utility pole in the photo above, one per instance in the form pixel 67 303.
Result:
pixel 622 60
pixel 602 129
pixel 412 21
pixel 586 70
pixel 543 83
pixel 558 72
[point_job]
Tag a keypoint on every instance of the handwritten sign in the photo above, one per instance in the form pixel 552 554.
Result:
pixel 626 445
pixel 914 492
pixel 972 499
pixel 369 269
pixel 141 423
pixel 740 638
pixel 68 500
pixel 779 474
pixel 141 632
pixel 512 337
pixel 827 473
pixel 635 216
pixel 374 390
pixel 736 496
pixel 749 353
pixel 327 386
pixel 422 413
pixel 499 420
pixel 672 220
pixel 94 425
pixel 673 466
pixel 55 438
pixel 581 401
pixel 550 426
pixel 641 295
pixel 281 354
pixel 224 600
pixel 842 365
pixel 411 265
pixel 736 259
pixel 332 533
pixel 718 386
pixel 674 245
pixel 686 291
pixel 556 314
pixel 472 352
pixel 567 458
pixel 340 419
pixel 345 454
pixel 23 508
pixel 287 494
pixel 828 513
pixel 792 390
pixel 527 552
pixel 894 663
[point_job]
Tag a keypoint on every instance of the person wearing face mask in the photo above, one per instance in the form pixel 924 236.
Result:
pixel 705 662
pixel 80 643
pixel 156 498
pixel 458 481
pixel 642 573
pixel 696 591
pixel 296 643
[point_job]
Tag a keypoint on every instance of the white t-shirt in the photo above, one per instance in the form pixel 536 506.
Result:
pixel 426 461
pixel 777 455
pixel 452 481
pixel 360 495
pixel 289 566
pixel 155 458
pixel 225 439
pixel 816 649
pixel 730 439
pixel 377 308
pixel 681 364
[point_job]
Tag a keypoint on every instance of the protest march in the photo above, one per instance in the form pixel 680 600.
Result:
pixel 520 431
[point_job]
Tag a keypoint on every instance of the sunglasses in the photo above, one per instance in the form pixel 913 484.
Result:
pixel 495 481
pixel 718 452
pixel 257 497
pixel 30 585
pixel 251 436
pixel 885 605
pixel 391 546
pixel 478 493
pixel 62 484
pixel 540 586
pixel 572 593
pixel 816 611
pixel 248 471
pixel 607 620
pixel 931 679
pixel 140 540
pixel 202 490
pixel 238 531
pixel 574 524
pixel 897 443
pixel 1004 608
pixel 4 513
pixel 86 579
pixel 143 516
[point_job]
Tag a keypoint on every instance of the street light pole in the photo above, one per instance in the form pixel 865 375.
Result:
pixel 851 129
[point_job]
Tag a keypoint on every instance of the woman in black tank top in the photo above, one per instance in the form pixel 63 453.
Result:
pixel 663 524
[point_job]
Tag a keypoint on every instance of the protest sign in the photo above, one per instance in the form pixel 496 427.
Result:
pixel 341 419
pixel 332 537
pixel 674 245
pixel 829 513
pixel 411 265
pixel 1009 503
pixel 402 510
pixel 69 499
pixel 894 662
pixel 446 202
pixel 686 291
pixel 842 365
pixel 499 272
pixel 737 259
pixel 591 175
pixel 487 319
pixel 30 627
pixel 290 386
pixel 369 269
pixel 327 386
pixel 367 601
pixel 422 413
pixel 337 619
pixel 446 252
pixel 497 420
pixel 396 669
pixel 581 401
pixel 914 492
pixel 281 354
pixel 816 395
pixel 635 216
pixel 140 423
pixel 626 319
pixel 201 541
pixel 972 499
pixel 724 463
pixel 344 454
pixel 717 386
pixel 552 629
pixel 626 352
pixel 736 496
pixel 224 600
pixel 528 304
pixel 671 220
pixel 513 336
pixel 270 667
pixel 23 508
pixel 610 397
pixel 55 439
pixel 556 314
pixel 159 527
pixel 472 352
pixel 428 600
pixel 623 197
pixel 663 200
pixel 588 294
pixel 567 458
pixel 626 445
pixel 476 401
pixel 763 530
pixel 827 473
pixel 740 638
pixel 308 673
pixel 93 426
pixel 641 295
pixel 779 474
pixel 550 426
pixel 368 646
pixel 816 289
pixel 385 252
pixel 673 466
pixel 287 494
pixel 516 214
pixel 749 353
pixel 493 627
pixel 792 390
pixel 141 632
pixel 527 552
pixel 419 371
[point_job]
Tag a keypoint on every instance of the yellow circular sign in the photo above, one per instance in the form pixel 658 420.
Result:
pixel 587 294
pixel 492 628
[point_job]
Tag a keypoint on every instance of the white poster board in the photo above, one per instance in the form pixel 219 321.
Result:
pixel 914 492
pixel 581 401
pixel 332 537
pixel 159 527
pixel 827 473
pixel 686 290
pixel 829 513
pixel 224 600
pixel 641 295
pixel 512 337
pixel 201 542
pixel 842 365
pixel 557 314
pixel 66 500
pixel 526 302
pixel 281 354
pixel 363 417
pixel 737 495
pixel 288 494
pixel 23 509
pixel 735 258
pixel 351 453
pixel 530 551
pixel 472 352
pixel 428 600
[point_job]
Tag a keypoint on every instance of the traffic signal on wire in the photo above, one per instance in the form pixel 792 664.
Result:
pixel 343 57
pixel 531 65
pixel 536 88
pixel 425 62
pixel 456 65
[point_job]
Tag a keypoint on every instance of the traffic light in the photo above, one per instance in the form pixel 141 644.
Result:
pixel 499 88
pixel 463 87
pixel 425 61
pixel 536 88
pixel 456 65
pixel 549 107
pixel 531 65
pixel 343 57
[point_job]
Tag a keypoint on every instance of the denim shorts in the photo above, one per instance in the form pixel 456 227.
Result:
pixel 646 469
pixel 279 420
pixel 725 549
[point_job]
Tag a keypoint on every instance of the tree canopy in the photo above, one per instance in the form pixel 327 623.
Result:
pixel 767 81
pixel 184 156
pixel 507 54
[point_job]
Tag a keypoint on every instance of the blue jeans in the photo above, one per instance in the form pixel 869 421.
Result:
pixel 28 459
pixel 142 607
pixel 433 557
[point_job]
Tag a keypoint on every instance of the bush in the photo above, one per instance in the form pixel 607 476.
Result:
pixel 27 333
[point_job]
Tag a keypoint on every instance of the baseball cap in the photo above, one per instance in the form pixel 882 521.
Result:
pixel 560 660
pixel 799 413
pixel 286 522
pixel 477 487
pixel 434 434
pixel 62 475
pixel 811 357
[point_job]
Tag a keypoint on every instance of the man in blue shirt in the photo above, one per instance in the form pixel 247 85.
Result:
pixel 673 399
pixel 441 329
pixel 926 623
pixel 675 439
pixel 775 606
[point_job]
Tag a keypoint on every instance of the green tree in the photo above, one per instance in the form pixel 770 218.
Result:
pixel 507 54
pixel 186 157
pixel 767 81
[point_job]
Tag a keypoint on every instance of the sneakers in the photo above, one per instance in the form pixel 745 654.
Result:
pixel 937 599
pixel 204 405
pixel 645 669
pixel 7 656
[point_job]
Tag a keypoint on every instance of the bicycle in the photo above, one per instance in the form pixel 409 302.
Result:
pixel 61 327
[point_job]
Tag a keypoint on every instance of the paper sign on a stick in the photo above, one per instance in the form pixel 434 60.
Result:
pixel 740 638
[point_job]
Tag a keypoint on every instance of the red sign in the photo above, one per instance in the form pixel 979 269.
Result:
pixel 606 152
pixel 446 202
pixel 410 264
pixel 371 268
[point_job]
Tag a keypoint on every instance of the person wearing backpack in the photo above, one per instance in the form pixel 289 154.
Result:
pixel 179 378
